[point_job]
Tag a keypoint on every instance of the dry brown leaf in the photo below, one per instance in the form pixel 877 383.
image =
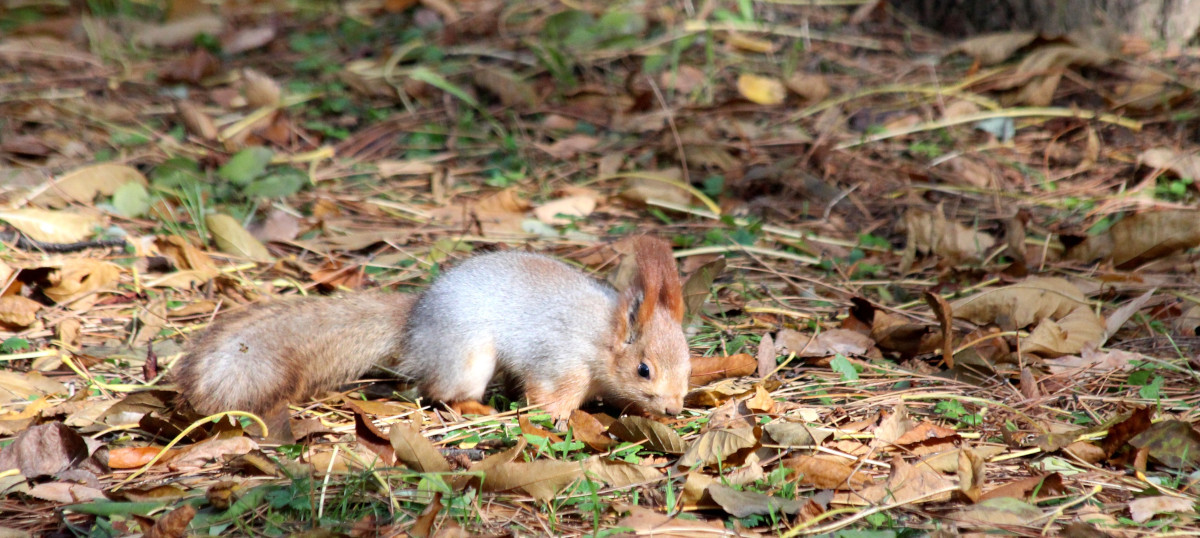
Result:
pixel 931 232
pixel 827 472
pixel 66 493
pixel 640 189
pixel 761 90
pixel 995 512
pixel 529 428
pixel 82 185
pixel 415 451
pixel 1182 164
pixel 716 446
pixel 1140 238
pixel 510 88
pixel 705 370
pixel 541 479
pixel 747 503
pixel 683 80
pixel 1065 322
pixel 893 427
pixel 658 436
pixel 793 434
pixel 178 32
pixel 563 210
pixel 906 484
pixel 51 226
pixel 197 455
pixel 77 277
pixel 1144 509
pixel 970 474
pixel 1045 486
pixel 991 49
pixel 22 386
pixel 588 429
pixel 620 474
pixel 174 524
pixel 570 147
pixel 232 238
pixel 750 43
pixel 812 87
pixel 19 311
pixel 44 450
pixel 648 522
pixel 196 121
pixel 766 355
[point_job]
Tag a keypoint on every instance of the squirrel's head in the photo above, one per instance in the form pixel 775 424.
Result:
pixel 652 362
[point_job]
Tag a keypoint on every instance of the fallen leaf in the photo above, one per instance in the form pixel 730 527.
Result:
pixel 761 90
pixel 51 226
pixel 766 355
pixel 795 435
pixel 699 284
pixel 1182 164
pixel 77 277
pixel 563 211
pixel 648 522
pixel 658 437
pixel 260 89
pixel 1045 486
pixel 1063 320
pixel 66 493
pixel 83 185
pixel 570 147
pixel 906 484
pixel 991 49
pixel 510 88
pixel 44 450
pixel 930 232
pixel 1141 238
pixel 174 524
pixel 748 503
pixel 1174 443
pixel 199 454
pixel 232 238
pixel 998 511
pixel 1144 509
pixel 620 474
pixel 178 32
pixel 132 457
pixel 708 369
pixel 716 446
pixel 812 87
pixel 19 311
pixel 541 479
pixel 586 428
pixel 827 472
pixel 415 451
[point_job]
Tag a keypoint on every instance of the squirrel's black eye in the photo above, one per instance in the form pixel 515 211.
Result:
pixel 644 370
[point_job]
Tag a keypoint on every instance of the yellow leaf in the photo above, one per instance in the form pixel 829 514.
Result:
pixel 761 90
pixel 51 226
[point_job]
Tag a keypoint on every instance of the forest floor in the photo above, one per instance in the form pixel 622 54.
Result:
pixel 934 287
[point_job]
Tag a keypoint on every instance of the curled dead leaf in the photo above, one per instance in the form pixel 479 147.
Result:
pixel 18 310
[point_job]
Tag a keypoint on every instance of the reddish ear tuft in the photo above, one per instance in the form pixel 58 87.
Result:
pixel 658 278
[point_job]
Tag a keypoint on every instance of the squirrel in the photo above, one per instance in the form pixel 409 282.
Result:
pixel 562 336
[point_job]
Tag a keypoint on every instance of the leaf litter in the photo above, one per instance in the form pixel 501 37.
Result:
pixel 985 320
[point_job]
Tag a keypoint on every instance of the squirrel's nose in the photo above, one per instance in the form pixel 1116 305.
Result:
pixel 672 410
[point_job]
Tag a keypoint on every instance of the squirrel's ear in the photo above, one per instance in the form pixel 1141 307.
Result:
pixel 658 278
pixel 627 320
